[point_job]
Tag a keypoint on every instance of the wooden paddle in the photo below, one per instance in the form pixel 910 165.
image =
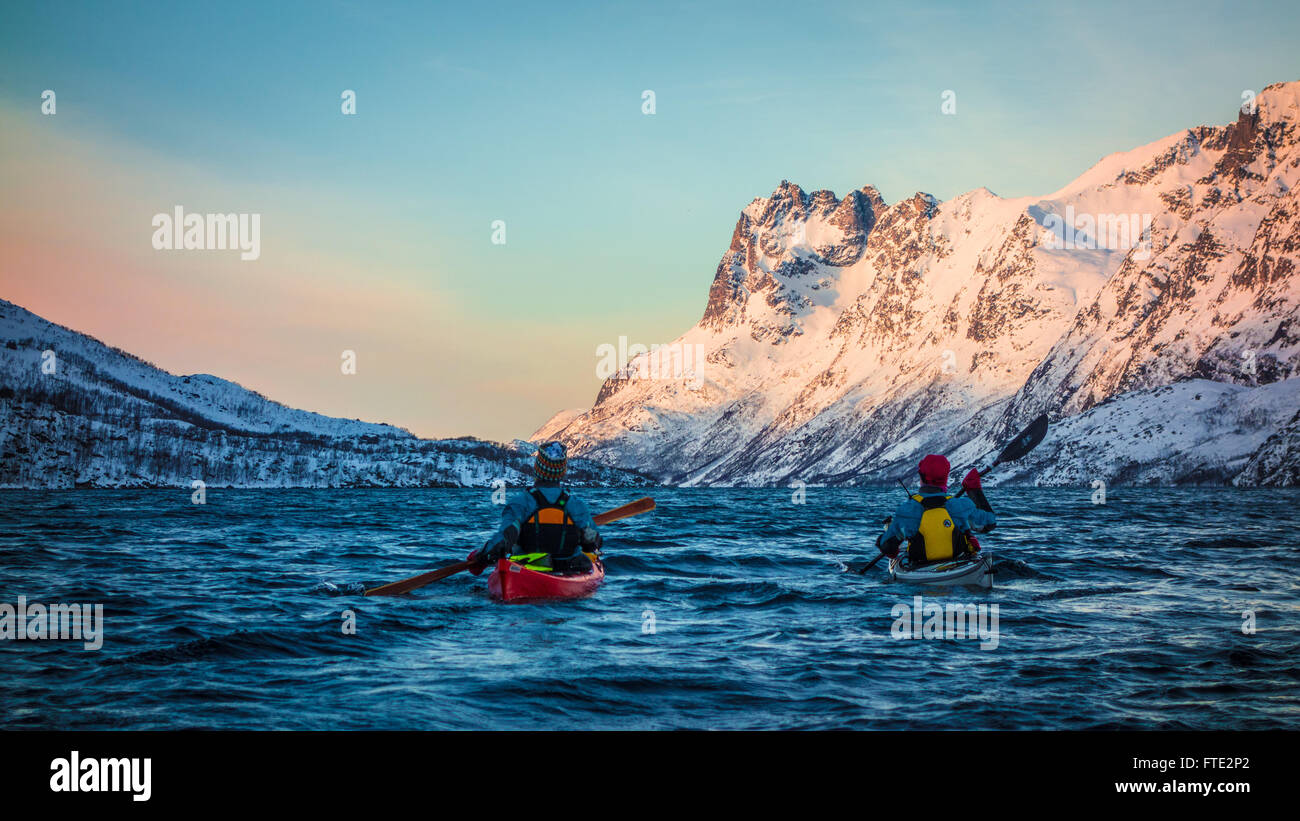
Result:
pixel 1025 442
pixel 415 582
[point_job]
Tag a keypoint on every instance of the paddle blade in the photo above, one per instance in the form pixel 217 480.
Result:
pixel 629 509
pixel 407 585
pixel 1025 442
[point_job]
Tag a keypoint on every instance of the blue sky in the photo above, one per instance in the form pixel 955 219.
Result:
pixel 469 113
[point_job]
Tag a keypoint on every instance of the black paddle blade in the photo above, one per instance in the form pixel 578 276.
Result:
pixel 1025 442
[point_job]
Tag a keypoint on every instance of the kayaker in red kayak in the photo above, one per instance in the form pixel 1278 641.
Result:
pixel 543 527
pixel 935 524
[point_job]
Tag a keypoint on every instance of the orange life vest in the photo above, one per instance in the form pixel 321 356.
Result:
pixel 550 529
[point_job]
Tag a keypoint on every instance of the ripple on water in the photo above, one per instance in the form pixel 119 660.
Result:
pixel 724 608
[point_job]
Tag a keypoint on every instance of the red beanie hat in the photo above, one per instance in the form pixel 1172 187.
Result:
pixel 934 471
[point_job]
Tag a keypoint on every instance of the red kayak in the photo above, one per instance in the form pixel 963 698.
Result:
pixel 511 581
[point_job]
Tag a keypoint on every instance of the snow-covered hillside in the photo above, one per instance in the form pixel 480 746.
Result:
pixel 1193 431
pixel 846 337
pixel 103 418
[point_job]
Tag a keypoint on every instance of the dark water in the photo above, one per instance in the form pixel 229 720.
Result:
pixel 1122 615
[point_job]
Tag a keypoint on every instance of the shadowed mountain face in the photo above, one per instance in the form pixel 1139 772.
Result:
pixel 844 338
pixel 77 413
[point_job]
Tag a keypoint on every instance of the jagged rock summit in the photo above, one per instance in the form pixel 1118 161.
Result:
pixel 846 337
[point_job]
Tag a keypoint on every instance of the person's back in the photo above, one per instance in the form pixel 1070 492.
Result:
pixel 545 526
pixel 935 524
pixel 553 527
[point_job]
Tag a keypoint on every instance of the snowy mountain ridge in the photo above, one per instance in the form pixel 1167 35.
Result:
pixel 87 415
pixel 846 336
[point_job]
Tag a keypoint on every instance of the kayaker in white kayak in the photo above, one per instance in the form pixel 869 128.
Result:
pixel 543 527
pixel 935 524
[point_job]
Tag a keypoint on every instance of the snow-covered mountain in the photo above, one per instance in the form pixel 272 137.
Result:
pixel 87 415
pixel 844 338
pixel 1192 431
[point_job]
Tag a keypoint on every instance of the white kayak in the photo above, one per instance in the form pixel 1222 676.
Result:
pixel 975 571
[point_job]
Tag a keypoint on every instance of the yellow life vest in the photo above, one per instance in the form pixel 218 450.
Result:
pixel 937 538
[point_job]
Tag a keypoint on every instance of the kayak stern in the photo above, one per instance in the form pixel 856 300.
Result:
pixel 511 581
pixel 976 571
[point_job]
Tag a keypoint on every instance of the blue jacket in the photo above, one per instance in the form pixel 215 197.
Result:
pixel 521 505
pixel 966 517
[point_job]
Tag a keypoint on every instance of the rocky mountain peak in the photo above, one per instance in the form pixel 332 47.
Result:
pixel 844 336
pixel 783 245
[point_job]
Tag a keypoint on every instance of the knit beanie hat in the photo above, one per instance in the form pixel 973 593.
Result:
pixel 552 460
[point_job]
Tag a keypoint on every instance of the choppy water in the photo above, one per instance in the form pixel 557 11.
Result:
pixel 1122 615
